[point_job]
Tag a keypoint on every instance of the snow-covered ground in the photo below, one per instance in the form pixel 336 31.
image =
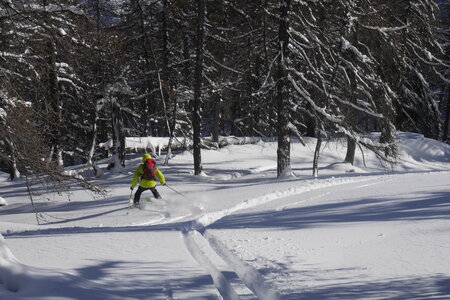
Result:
pixel 239 233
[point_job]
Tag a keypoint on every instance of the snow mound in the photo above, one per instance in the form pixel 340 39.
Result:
pixel 35 283
pixel 3 202
pixel 344 167
pixel 416 147
pixel 12 273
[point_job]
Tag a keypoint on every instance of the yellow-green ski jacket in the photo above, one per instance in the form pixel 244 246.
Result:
pixel 144 182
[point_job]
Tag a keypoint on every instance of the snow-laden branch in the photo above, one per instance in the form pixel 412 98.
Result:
pixel 385 30
pixel 441 76
pixel 346 45
pixel 210 57
pixel 358 108
pixel 305 95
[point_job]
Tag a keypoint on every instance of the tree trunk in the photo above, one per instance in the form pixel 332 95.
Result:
pixel 351 113
pixel 103 134
pixel 387 135
pixel 13 171
pixel 172 133
pixel 196 117
pixel 284 144
pixel 186 58
pixel 447 116
pixel 147 105
pixel 53 105
pixel 118 134
pixel 316 155
pixel 165 40
pixel 216 119
pixel 351 149
pixel 12 162
pixel 90 157
pixel 265 44
pixel 351 119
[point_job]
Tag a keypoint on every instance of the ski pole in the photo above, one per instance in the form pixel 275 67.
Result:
pixel 176 191
pixel 129 201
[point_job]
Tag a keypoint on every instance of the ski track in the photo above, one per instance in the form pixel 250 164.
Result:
pixel 249 276
pixel 220 282
pixel 210 218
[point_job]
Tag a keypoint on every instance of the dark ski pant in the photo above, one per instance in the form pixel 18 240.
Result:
pixel 139 191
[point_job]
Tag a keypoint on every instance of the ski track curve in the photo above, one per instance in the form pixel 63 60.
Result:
pixel 248 275
pixel 220 282
pixel 208 219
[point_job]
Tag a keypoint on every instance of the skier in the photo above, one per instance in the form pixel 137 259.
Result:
pixel 148 173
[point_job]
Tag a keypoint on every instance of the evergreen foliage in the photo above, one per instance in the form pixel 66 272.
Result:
pixel 88 73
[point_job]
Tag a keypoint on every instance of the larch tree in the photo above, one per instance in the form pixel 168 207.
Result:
pixel 444 70
pixel 283 101
pixel 413 53
pixel 197 102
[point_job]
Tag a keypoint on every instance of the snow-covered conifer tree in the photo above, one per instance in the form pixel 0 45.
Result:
pixel 410 55
pixel 197 103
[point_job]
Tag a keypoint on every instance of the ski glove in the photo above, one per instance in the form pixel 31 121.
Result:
pixel 131 188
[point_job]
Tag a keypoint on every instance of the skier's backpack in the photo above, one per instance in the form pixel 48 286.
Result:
pixel 149 170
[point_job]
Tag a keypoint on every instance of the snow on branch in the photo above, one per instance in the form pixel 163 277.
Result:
pixel 357 107
pixel 346 45
pixel 376 147
pixel 210 57
pixel 294 130
pixel 385 30
pixel 305 95
pixel 441 76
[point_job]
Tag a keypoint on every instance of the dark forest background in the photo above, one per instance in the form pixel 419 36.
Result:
pixel 75 75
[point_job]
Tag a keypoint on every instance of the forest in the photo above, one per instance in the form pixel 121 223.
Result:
pixel 78 77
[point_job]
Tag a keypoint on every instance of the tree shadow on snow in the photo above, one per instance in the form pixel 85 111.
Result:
pixel 436 287
pixel 153 280
pixel 430 207
pixel 181 226
pixel 117 280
